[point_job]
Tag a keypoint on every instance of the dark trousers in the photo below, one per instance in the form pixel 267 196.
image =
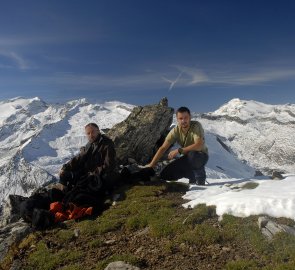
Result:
pixel 191 166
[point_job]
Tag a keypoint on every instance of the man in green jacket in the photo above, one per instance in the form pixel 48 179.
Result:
pixel 193 150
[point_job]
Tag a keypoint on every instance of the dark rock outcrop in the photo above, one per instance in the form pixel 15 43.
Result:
pixel 277 175
pixel 223 144
pixel 12 228
pixel 11 210
pixel 139 136
pixel 258 173
pixel 270 228
pixel 11 234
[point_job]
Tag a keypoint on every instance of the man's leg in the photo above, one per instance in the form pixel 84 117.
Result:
pixel 197 161
pixel 177 169
pixel 111 181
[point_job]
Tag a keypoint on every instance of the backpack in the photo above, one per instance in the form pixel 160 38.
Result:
pixel 42 219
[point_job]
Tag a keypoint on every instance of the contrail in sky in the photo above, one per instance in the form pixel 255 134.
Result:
pixel 172 83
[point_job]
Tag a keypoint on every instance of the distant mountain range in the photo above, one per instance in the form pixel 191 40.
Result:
pixel 259 134
pixel 36 138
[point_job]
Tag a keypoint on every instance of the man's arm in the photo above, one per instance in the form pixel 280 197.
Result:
pixel 159 154
pixel 197 146
pixel 109 164
pixel 73 164
pixel 198 140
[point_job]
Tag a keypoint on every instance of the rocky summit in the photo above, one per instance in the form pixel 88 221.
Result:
pixel 139 136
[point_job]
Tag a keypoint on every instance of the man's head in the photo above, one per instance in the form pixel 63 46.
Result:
pixel 92 131
pixel 183 116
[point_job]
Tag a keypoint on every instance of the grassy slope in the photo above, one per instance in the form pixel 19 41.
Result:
pixel 149 228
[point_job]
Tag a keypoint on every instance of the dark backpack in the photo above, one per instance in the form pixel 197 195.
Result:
pixel 27 207
pixel 138 175
pixel 39 201
pixel 42 219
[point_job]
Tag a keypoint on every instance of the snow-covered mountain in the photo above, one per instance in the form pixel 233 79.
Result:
pixel 260 134
pixel 37 138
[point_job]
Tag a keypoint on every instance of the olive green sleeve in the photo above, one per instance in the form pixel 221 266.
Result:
pixel 171 137
pixel 198 132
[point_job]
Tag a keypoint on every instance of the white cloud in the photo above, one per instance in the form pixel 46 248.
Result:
pixel 16 59
pixel 23 41
pixel 19 61
pixel 196 76
pixel 187 77
pixel 254 78
pixel 47 38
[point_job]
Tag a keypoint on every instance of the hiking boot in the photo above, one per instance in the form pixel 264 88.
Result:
pixel 192 181
pixel 200 176
pixel 201 181
pixel 159 167
pixel 197 181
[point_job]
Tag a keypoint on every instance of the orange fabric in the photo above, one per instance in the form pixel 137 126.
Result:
pixel 56 207
pixel 73 211
pixel 60 217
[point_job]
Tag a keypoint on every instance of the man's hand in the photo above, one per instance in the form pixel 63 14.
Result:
pixel 61 173
pixel 159 154
pixel 150 165
pixel 66 175
pixel 173 154
pixel 59 186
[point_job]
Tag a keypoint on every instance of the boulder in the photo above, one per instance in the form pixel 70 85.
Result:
pixel 270 228
pixel 11 210
pixel 139 136
pixel 277 175
pixel 258 173
pixel 11 234
pixel 120 265
pixel 12 228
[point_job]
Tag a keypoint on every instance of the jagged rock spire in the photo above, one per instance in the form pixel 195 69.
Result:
pixel 139 136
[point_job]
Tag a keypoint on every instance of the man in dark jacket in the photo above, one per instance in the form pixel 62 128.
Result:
pixel 85 180
pixel 93 171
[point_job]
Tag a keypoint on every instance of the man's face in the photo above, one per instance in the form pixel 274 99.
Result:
pixel 91 133
pixel 183 119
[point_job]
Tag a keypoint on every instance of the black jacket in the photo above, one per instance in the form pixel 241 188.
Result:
pixel 97 158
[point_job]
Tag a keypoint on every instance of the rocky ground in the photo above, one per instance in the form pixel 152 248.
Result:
pixel 150 229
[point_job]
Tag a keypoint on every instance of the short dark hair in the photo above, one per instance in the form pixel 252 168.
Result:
pixel 182 110
pixel 92 125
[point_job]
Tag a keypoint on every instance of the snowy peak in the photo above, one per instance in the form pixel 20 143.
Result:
pixel 247 110
pixel 37 138
pixel 258 133
pixel 20 106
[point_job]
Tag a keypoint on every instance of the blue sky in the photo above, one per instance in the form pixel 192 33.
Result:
pixel 199 54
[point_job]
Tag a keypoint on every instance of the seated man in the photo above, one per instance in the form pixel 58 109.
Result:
pixel 93 171
pixel 194 153
pixel 85 180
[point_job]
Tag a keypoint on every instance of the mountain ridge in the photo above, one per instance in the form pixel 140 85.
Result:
pixel 257 133
pixel 36 138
